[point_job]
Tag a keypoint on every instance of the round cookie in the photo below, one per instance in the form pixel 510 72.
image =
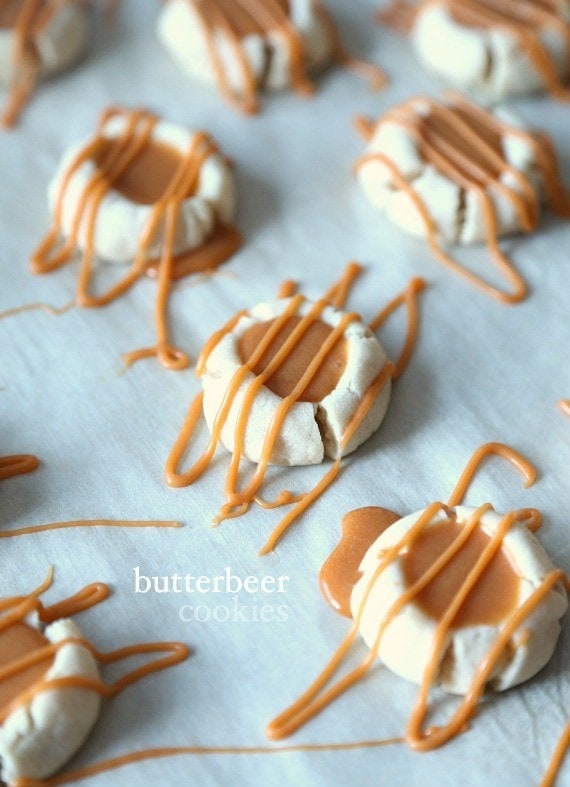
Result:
pixel 497 47
pixel 243 47
pixel 37 40
pixel 39 736
pixel 407 636
pixel 316 420
pixel 125 210
pixel 405 139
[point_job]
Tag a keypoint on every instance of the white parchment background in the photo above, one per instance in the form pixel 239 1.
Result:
pixel 481 372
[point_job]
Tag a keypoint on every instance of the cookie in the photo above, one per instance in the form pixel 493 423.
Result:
pixel 142 192
pixel 496 48
pixel 291 382
pixel 41 734
pixel 510 579
pixel 37 39
pixel 244 46
pixel 456 596
pixel 319 415
pixel 455 173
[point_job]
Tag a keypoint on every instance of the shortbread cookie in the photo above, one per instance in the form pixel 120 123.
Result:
pixel 42 733
pixel 37 39
pixel 496 47
pixel 454 596
pixel 454 172
pixel 243 46
pixel 317 418
pixel 510 579
pixel 290 383
pixel 144 192
pixel 124 213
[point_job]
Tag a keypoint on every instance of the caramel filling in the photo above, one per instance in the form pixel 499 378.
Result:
pixel 463 143
pixel 9 12
pixel 341 570
pixel 284 380
pixel 247 19
pixel 492 599
pixel 149 175
pixel 17 642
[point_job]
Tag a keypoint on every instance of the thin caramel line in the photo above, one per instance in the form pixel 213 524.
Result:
pixel 564 405
pixel 175 751
pixel 409 297
pixel 272 433
pixel 19 464
pixel 55 311
pixel 286 289
pixel 363 408
pixel 368 71
pixel 171 475
pixel 531 518
pixel 364 127
pixel 524 467
pixel 557 758
pixel 301 506
pixel 338 294
pixel 213 20
pixel 25 531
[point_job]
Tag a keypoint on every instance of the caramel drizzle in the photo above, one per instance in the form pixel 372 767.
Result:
pixel 135 523
pixel 557 758
pixel 19 464
pixel 54 311
pixel 33 17
pixel 481 180
pixel 177 751
pixel 52 252
pixel 564 405
pixel 318 696
pixel 239 501
pixel 271 17
pixel 16 610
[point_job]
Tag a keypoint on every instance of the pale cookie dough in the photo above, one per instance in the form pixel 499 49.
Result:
pixel 267 56
pixel 311 430
pixel 38 738
pixel 58 44
pixel 458 213
pixel 120 221
pixel 405 647
pixel 490 60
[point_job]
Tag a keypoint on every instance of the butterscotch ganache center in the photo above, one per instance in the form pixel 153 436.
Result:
pixel 148 176
pixel 10 10
pixel 286 377
pixel 18 642
pixel 445 132
pixel 246 17
pixel 494 596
